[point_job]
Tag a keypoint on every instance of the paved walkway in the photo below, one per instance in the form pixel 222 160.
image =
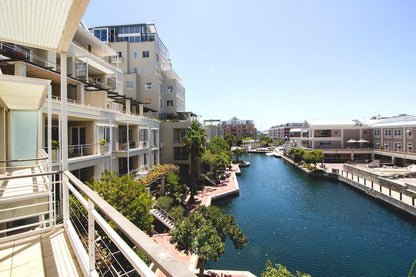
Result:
pixel 227 187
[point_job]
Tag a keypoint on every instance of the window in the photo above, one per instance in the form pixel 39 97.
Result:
pixel 170 88
pixel 377 133
pixel 397 146
pixel 148 100
pixel 397 133
pixel 119 54
pixel 409 133
pixel 146 54
pixel 135 55
pixel 409 147
pixel 135 70
pixel 148 85
pixel 169 103
pixel 387 145
pixel 129 85
pixel 387 133
pixel 376 145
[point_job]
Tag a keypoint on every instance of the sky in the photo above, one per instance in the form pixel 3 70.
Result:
pixel 276 61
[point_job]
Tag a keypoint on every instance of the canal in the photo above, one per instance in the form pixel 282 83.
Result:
pixel 315 226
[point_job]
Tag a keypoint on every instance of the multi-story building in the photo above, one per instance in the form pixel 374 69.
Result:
pixel 149 76
pixel 93 125
pixel 213 128
pixel 106 129
pixel 282 131
pixel 393 139
pixel 239 128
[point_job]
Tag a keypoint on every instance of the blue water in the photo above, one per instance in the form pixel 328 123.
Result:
pixel 315 226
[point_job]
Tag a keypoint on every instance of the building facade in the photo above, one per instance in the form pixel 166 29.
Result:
pixel 282 131
pixel 149 76
pixel 239 128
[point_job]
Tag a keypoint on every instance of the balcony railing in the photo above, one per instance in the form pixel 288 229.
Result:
pixel 81 150
pixel 133 144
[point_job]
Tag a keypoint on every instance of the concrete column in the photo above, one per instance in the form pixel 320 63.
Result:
pixel 20 69
pixel 81 93
pixel 141 109
pixel 64 113
pixel 128 106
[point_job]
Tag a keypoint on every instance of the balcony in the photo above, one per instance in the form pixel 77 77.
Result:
pixel 69 233
pixel 133 144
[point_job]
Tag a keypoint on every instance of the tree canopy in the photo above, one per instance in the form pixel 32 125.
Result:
pixel 280 271
pixel 125 195
pixel 204 233
pixel 230 139
pixel 194 143
pixel 238 151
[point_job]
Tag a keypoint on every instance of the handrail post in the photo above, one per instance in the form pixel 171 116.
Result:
pixel 65 199
pixel 91 237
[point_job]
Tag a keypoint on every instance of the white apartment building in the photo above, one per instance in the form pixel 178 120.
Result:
pixel 105 128
pixel 149 76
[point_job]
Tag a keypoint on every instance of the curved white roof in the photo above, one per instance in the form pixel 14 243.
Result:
pixel 45 24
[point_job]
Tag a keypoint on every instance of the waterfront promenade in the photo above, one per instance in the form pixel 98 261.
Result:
pixel 226 188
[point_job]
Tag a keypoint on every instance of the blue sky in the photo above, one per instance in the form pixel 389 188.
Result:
pixel 283 61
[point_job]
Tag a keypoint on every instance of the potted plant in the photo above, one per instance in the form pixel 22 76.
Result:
pixel 55 149
pixel 102 142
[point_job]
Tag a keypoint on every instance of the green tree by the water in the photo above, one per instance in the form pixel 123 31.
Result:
pixel 279 270
pixel 204 232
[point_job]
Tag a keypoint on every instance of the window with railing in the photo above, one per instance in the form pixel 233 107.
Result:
pixel 409 133
pixel 178 135
pixel 322 133
pixel 409 147
pixel 387 145
pixel 397 146
pixel 179 153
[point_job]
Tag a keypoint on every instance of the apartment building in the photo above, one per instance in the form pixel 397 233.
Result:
pixel 53 88
pixel 340 140
pixel 149 76
pixel 282 131
pixel 239 128
pixel 213 128
pixel 105 128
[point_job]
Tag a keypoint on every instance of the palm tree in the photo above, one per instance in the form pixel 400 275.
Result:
pixel 230 139
pixel 238 151
pixel 194 143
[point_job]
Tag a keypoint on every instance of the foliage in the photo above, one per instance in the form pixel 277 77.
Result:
pixel 265 140
pixel 230 139
pixel 177 212
pixel 204 233
pixel 194 143
pixel 247 138
pixel 280 271
pixel 55 144
pixel 125 195
pixel 175 188
pixel 280 141
pixel 313 157
pixel 238 151
pixel 217 162
pixel 298 154
pixel 102 141
pixel 156 172
pixel 218 145
pixel 165 202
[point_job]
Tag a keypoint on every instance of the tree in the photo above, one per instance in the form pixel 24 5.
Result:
pixel 298 154
pixel 280 141
pixel 313 157
pixel 280 271
pixel 265 140
pixel 127 196
pixel 204 233
pixel 194 143
pixel 230 139
pixel 175 188
pixel 218 145
pixel 238 151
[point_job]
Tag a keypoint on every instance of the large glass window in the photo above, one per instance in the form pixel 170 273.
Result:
pixel 146 54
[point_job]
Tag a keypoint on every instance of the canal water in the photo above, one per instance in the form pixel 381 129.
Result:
pixel 316 226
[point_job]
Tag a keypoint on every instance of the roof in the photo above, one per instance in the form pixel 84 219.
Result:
pixel 45 24
pixel 294 130
pixel 396 121
pixel 23 93
pixel 330 124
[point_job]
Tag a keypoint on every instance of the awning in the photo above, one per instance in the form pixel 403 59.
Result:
pixel 352 141
pixel 23 93
pixel 362 140
pixel 45 24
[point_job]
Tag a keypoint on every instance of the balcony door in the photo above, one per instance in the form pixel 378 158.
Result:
pixel 78 139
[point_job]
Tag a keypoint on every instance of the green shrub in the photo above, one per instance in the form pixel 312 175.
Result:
pixel 165 202
pixel 177 212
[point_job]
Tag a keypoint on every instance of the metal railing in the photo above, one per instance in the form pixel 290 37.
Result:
pixel 81 150
pixel 28 201
pixel 164 212
pixel 139 171
pixel 88 218
pixel 133 144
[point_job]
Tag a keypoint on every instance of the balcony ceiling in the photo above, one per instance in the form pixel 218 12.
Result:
pixel 45 24
pixel 22 93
